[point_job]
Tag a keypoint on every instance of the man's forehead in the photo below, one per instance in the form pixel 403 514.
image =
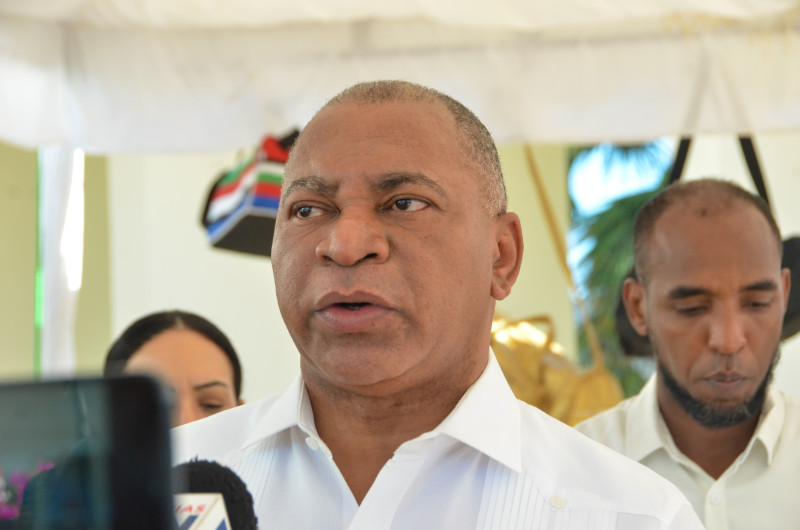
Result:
pixel 421 129
pixel 722 222
pixel 692 246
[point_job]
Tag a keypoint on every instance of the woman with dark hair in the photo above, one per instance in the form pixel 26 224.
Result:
pixel 189 354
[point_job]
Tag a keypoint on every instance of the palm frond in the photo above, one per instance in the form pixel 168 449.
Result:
pixel 607 240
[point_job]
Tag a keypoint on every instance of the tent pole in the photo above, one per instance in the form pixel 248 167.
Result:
pixel 39 286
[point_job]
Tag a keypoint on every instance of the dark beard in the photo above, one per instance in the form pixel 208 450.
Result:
pixel 710 416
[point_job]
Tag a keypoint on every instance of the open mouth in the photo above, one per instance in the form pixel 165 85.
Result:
pixel 352 317
pixel 352 306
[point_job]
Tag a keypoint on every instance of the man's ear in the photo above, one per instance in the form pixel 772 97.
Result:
pixel 633 296
pixel 786 279
pixel 508 254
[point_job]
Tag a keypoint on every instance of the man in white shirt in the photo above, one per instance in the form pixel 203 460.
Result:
pixel 391 245
pixel 711 294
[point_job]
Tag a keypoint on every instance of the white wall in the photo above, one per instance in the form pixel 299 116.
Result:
pixel 779 156
pixel 161 259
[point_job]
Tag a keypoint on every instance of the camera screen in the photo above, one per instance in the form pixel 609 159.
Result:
pixel 85 453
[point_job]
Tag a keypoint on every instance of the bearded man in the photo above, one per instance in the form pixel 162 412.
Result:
pixel 710 293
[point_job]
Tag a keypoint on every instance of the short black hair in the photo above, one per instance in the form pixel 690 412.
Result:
pixel 147 327
pixel 711 194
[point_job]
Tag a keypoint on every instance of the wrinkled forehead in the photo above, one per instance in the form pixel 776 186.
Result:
pixel 400 124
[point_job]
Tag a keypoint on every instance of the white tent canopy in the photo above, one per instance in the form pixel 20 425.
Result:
pixel 114 76
pixel 193 75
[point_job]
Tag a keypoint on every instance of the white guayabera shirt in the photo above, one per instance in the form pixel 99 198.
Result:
pixel 493 463
pixel 759 490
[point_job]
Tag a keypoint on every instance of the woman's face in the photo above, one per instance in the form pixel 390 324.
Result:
pixel 198 371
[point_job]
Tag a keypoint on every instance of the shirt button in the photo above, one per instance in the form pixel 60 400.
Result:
pixel 558 502
pixel 312 443
pixel 715 499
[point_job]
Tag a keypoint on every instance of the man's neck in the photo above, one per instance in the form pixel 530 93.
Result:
pixel 714 450
pixel 364 431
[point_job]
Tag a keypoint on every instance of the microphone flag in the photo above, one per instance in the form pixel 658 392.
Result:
pixel 201 511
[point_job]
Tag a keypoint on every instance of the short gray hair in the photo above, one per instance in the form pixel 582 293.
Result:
pixel 475 139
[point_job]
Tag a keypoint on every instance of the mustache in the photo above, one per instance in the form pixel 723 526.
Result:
pixel 723 363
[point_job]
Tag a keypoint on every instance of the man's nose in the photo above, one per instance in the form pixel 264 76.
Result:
pixel 727 333
pixel 353 237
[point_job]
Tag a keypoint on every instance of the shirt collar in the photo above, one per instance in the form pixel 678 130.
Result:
pixel 771 423
pixel 486 418
pixel 284 413
pixel 645 430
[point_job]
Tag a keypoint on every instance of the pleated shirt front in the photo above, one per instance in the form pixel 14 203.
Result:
pixel 493 463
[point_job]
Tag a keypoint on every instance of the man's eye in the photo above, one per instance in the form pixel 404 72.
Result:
pixel 758 304
pixel 409 205
pixel 691 310
pixel 306 212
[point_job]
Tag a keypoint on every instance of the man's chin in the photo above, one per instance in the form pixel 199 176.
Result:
pixel 727 407
pixel 715 413
pixel 730 403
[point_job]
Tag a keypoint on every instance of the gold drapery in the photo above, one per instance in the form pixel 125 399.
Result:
pixel 538 372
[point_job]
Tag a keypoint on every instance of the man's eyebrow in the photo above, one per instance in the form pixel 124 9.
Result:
pixel 384 183
pixel 681 292
pixel 766 285
pixel 311 183
pixel 210 384
pixel 392 181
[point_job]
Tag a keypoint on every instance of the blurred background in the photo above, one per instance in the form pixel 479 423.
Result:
pixel 118 116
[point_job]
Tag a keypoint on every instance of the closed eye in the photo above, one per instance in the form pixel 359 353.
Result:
pixel 212 407
pixel 691 311
pixel 758 304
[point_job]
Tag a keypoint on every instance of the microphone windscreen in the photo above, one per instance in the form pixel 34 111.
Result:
pixel 203 476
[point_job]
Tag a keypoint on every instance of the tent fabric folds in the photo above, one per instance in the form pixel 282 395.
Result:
pixel 179 75
pixel 528 15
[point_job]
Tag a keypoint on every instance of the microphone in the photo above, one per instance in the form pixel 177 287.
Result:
pixel 196 510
